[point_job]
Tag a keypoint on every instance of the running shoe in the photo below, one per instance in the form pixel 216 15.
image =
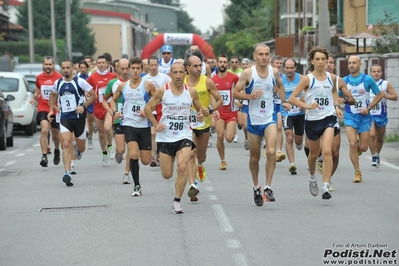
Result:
pixel 44 161
pixel 105 160
pixel 137 191
pixel 258 197
pixel 95 129
pixel 192 191
pixel 223 165
pixel 153 162
pixel 201 173
pixel 313 188
pixel 57 158
pixel 209 144
pixel 235 140
pixel 73 169
pixel 358 177
pixel 246 146
pixel 326 194
pixel 90 144
pixel 374 161
pixel 330 188
pixel 118 158
pixel 280 156
pixel 126 178
pixel 67 180
pixel 292 169
pixel 319 166
pixel 378 162
pixel 111 152
pixel 268 195
pixel 176 208
pixel 299 147
pixel 78 154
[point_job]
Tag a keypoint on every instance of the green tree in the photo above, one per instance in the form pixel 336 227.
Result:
pixel 82 37
pixel 388 31
pixel 245 27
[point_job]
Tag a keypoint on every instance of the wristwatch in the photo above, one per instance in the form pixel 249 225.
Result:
pixel 114 112
pixel 369 108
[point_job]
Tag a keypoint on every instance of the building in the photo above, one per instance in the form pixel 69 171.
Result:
pixel 129 24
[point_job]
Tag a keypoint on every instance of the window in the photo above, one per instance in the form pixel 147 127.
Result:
pixel 8 84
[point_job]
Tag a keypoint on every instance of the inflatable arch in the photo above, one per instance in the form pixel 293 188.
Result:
pixel 177 39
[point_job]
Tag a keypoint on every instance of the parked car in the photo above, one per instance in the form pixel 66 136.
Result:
pixel 25 114
pixel 32 69
pixel 6 121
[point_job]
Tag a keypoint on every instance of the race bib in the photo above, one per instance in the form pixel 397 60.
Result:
pixel 376 110
pixel 101 92
pixel 225 94
pixel 46 91
pixel 360 103
pixel 193 120
pixel 68 103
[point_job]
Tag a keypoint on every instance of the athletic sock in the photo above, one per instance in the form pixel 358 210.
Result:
pixel 134 168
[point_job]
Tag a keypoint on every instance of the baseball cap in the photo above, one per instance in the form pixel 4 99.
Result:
pixel 167 48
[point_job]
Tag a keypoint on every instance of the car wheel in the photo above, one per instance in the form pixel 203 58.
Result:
pixel 30 129
pixel 10 140
pixel 3 140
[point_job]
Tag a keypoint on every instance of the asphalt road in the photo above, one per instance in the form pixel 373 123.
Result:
pixel 97 222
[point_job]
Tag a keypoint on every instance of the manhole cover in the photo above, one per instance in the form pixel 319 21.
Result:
pixel 74 208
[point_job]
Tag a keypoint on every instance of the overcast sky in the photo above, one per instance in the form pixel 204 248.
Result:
pixel 205 13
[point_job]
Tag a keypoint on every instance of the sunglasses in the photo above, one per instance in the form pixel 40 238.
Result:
pixel 166 53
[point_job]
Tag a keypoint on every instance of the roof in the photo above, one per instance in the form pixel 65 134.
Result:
pixel 352 41
pixel 362 35
pixel 125 16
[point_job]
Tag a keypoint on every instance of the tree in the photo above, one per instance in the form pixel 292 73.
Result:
pixel 82 37
pixel 388 31
pixel 245 27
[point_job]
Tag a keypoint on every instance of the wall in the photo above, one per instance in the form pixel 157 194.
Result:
pixel 392 75
pixel 107 39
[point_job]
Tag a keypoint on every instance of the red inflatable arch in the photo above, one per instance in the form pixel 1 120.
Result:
pixel 177 39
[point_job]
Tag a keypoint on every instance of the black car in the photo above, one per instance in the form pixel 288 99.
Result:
pixel 6 122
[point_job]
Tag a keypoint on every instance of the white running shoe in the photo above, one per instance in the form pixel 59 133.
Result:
pixel 90 144
pixel 126 178
pixel 176 207
pixel 111 152
pixel 137 191
pixel 105 160
pixel 313 188
pixel 235 138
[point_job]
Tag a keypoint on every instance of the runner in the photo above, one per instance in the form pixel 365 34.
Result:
pixel 379 114
pixel 70 92
pixel 166 61
pixel 99 81
pixel 44 84
pixel 225 82
pixel 257 84
pixel 174 136
pixel 294 119
pixel 137 129
pixel 357 117
pixel 124 71
pixel 242 114
pixel 322 108
pixel 277 62
pixel 158 79
pixel 206 90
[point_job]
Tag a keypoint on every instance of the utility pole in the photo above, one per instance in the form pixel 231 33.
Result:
pixel 31 38
pixel 53 39
pixel 68 29
pixel 324 24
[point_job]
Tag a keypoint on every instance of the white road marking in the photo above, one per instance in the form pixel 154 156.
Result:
pixel 386 164
pixel 213 197
pixel 233 243
pixel 239 259
pixel 19 154
pixel 209 188
pixel 10 163
pixel 223 221
pixel 29 150
pixel 2 169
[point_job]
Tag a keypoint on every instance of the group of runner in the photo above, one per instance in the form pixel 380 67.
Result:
pixel 165 113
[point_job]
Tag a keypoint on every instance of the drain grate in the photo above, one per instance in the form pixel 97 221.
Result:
pixel 74 208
